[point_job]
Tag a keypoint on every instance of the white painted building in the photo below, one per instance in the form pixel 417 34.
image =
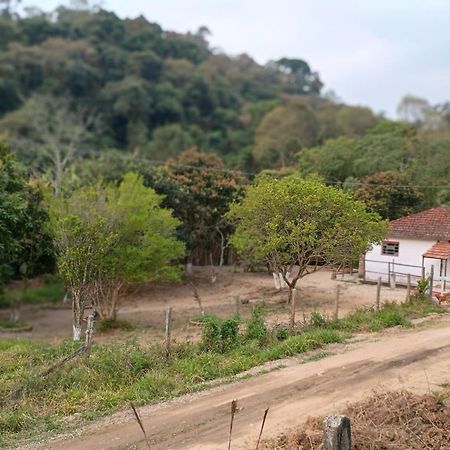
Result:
pixel 414 244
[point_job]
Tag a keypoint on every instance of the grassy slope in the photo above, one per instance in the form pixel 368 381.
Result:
pixel 117 373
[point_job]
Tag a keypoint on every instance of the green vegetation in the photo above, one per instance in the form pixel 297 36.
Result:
pixel 110 236
pixel 25 246
pixel 291 222
pixel 115 324
pixel 11 324
pixel 117 373
pixel 394 167
pixel 52 291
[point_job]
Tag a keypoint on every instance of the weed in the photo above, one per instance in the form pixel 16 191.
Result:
pixel 256 327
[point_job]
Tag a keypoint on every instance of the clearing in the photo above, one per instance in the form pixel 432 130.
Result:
pixel 145 307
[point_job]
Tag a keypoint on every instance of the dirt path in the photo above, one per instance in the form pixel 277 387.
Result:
pixel 413 359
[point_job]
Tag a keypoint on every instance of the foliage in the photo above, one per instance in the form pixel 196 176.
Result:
pixel 219 335
pixel 291 222
pixel 419 157
pixel 282 132
pixel 390 194
pixel 157 92
pixel 25 248
pixel 52 291
pixel 199 189
pixel 94 386
pixel 256 327
pixel 422 286
pixel 108 236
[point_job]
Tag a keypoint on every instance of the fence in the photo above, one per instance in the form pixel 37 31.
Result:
pixel 392 272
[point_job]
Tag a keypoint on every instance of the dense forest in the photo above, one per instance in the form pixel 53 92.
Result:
pixel 132 86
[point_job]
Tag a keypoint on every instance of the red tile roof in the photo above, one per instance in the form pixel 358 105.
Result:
pixel 432 224
pixel 440 250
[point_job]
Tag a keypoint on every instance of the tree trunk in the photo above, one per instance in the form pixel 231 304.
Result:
pixel 15 312
pixel 58 174
pixel 78 310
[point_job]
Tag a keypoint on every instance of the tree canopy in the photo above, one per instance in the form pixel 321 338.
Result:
pixel 292 222
pixel 109 236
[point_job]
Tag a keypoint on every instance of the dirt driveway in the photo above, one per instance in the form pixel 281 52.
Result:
pixel 413 359
pixel 145 307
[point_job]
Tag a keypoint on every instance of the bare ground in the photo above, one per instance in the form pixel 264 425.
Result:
pixel 146 305
pixel 413 359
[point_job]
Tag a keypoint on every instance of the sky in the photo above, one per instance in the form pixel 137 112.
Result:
pixel 369 52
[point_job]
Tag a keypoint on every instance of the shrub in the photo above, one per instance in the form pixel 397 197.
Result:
pixel 256 327
pixel 219 335
pixel 317 320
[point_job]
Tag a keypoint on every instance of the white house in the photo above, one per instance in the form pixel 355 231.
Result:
pixel 414 244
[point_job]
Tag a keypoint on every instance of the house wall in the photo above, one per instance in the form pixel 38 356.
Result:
pixel 410 252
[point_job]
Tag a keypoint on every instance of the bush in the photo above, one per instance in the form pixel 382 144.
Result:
pixel 256 327
pixel 317 320
pixel 219 335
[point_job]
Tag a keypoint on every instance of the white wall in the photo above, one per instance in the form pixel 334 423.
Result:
pixel 410 252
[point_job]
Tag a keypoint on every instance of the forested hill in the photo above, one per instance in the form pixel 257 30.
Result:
pixel 127 84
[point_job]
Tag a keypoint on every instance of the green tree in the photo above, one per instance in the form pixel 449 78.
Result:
pixel 26 248
pixel 199 189
pixel 390 194
pixel 289 222
pixel 109 236
pixel 282 132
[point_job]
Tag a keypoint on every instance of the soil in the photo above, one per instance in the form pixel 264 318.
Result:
pixel 145 307
pixel 415 359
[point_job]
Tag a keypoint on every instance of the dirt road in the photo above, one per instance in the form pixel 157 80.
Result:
pixel 413 359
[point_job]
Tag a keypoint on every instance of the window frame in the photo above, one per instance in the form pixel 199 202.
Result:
pixel 396 249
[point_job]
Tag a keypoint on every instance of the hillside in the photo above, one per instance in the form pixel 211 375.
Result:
pixel 158 92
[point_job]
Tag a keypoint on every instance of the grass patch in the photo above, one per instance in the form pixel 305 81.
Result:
pixel 117 373
pixel 115 324
pixel 52 292
pixel 9 324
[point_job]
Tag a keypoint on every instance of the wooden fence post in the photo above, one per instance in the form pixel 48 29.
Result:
pixel 168 329
pixel 431 281
pixel 378 293
pixel 336 302
pixel 408 287
pixel 238 306
pixel 89 332
pixel 337 433
pixel 293 295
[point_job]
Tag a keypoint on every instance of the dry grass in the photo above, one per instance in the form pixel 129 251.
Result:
pixel 385 421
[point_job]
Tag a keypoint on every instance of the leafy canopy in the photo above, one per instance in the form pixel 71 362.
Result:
pixel 290 221
pixel 115 233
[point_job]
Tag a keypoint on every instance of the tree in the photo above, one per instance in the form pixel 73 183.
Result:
pixel 282 132
pixel 109 236
pixel 56 130
pixel 299 77
pixel 291 222
pixel 26 248
pixel 199 189
pixel 390 194
pixel 168 141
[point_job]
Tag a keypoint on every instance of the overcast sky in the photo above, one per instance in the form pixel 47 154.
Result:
pixel 370 52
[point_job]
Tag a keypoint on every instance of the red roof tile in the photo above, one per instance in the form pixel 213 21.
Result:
pixel 440 250
pixel 432 224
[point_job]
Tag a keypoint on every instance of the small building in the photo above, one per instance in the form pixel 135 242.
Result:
pixel 415 243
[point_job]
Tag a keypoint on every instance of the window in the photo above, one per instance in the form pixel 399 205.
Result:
pixel 390 248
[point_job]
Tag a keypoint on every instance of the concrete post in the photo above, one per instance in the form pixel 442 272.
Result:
pixel 337 433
